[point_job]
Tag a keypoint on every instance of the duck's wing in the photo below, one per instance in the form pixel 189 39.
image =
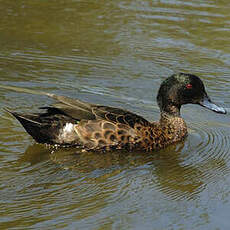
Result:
pixel 74 108
pixel 118 115
pixel 74 122
pixel 79 110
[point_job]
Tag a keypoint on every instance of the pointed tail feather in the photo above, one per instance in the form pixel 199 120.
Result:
pixel 36 129
pixel 19 116
pixel 48 128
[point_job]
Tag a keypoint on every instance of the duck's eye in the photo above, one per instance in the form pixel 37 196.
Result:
pixel 189 86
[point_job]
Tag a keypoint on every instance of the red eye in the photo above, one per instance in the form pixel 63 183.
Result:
pixel 189 86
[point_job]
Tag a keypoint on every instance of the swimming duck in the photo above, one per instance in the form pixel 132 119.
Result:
pixel 71 122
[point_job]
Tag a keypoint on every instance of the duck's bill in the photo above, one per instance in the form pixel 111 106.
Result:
pixel 207 103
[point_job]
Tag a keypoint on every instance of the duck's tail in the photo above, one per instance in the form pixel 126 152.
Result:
pixel 31 125
pixel 45 130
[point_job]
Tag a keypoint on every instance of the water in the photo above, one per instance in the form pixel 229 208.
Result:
pixel 114 53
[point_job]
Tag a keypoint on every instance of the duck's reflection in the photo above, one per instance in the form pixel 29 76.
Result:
pixel 168 168
pixel 34 154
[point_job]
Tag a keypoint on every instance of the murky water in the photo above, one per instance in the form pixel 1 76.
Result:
pixel 114 53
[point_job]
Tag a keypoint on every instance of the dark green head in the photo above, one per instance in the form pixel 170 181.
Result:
pixel 183 88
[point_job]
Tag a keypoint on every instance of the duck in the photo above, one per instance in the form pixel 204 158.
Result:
pixel 72 122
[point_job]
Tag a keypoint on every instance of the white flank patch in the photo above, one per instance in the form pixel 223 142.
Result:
pixel 66 134
pixel 68 128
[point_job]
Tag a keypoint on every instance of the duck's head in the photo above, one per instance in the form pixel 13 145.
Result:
pixel 183 88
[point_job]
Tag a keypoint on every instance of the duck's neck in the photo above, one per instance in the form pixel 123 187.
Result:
pixel 173 123
pixel 171 110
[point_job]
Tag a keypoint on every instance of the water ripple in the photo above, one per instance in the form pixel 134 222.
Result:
pixel 210 150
